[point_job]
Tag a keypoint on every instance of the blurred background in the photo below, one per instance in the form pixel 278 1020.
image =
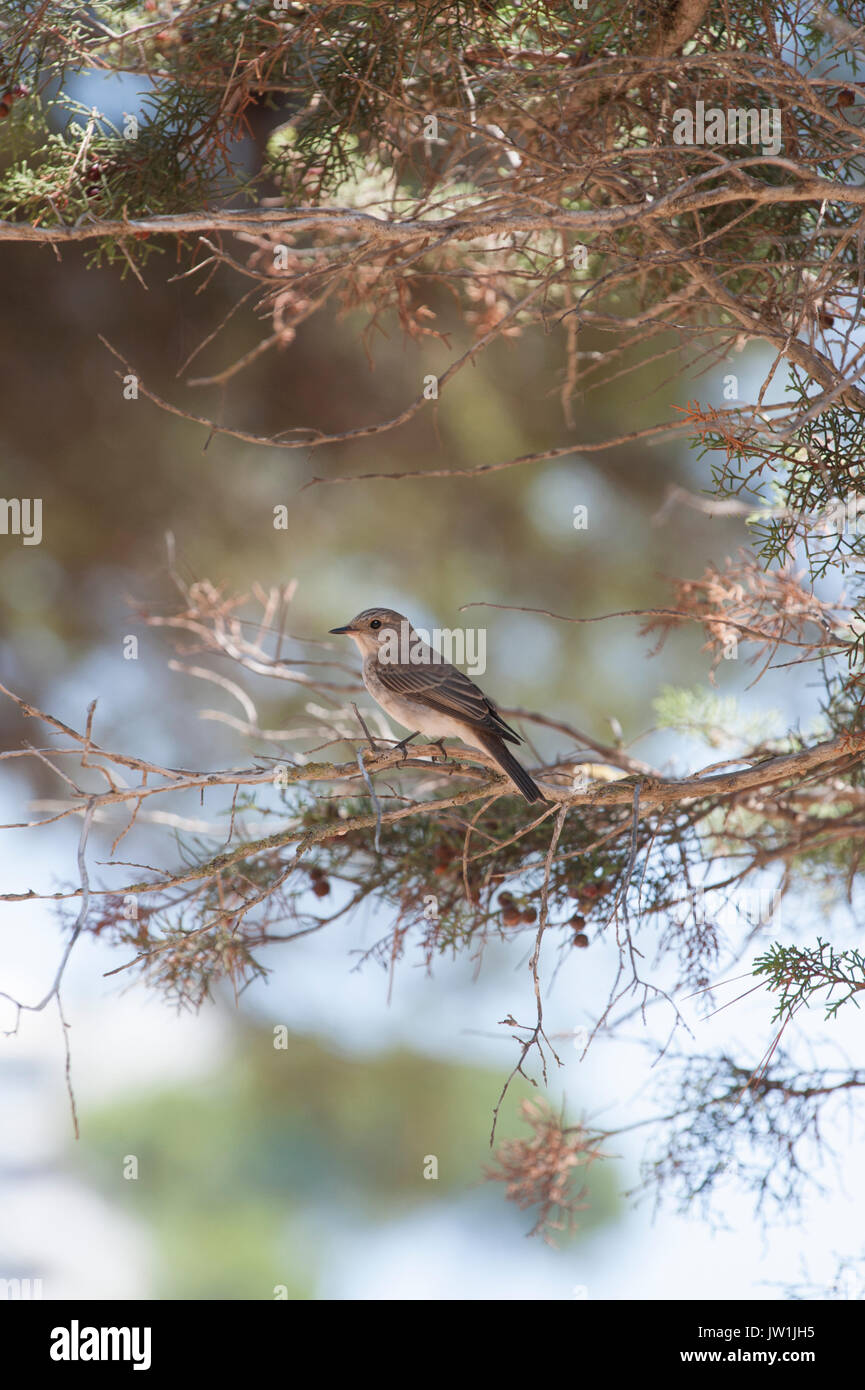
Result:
pixel 301 1169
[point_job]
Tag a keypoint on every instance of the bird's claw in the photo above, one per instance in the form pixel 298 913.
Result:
pixel 403 748
pixel 403 745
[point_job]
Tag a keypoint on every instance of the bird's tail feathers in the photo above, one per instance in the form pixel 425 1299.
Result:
pixel 508 763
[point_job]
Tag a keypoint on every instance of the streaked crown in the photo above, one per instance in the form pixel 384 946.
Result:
pixel 374 619
pixel 373 624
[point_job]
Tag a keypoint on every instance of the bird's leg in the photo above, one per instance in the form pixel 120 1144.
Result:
pixel 440 743
pixel 404 741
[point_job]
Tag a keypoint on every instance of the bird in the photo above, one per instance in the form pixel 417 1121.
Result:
pixel 420 690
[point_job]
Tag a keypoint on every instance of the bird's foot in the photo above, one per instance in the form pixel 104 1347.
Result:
pixel 439 743
pixel 404 742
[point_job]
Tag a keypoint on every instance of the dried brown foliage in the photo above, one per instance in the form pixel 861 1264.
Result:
pixel 743 602
pixel 543 1171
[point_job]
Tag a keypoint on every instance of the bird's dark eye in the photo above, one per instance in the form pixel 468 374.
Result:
pixel 375 623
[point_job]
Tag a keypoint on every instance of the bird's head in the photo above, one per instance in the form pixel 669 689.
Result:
pixel 374 627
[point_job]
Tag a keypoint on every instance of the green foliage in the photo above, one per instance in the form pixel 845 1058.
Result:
pixel 795 974
pixel 814 484
pixel 715 718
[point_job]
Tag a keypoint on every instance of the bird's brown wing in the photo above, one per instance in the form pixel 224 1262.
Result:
pixel 448 690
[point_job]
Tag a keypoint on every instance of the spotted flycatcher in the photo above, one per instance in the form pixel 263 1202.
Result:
pixel 420 690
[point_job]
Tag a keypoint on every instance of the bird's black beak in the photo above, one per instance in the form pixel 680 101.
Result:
pixel 336 631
